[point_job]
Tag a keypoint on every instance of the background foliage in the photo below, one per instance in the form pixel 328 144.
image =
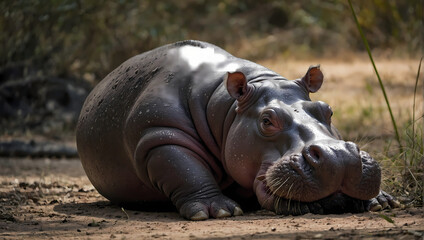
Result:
pixel 89 38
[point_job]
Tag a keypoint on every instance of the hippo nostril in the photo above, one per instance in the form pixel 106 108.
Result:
pixel 313 155
pixel 314 152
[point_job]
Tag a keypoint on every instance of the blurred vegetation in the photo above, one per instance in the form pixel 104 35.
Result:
pixel 74 38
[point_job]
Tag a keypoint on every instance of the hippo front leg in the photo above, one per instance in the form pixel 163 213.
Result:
pixel 179 174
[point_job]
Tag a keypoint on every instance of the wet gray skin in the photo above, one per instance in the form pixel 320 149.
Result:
pixel 186 121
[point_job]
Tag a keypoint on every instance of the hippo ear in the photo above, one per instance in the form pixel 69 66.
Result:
pixel 236 84
pixel 313 79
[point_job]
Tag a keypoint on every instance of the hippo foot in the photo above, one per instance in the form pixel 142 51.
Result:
pixel 215 207
pixel 381 202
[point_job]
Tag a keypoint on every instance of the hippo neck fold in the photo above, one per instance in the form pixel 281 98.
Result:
pixel 220 115
pixel 222 109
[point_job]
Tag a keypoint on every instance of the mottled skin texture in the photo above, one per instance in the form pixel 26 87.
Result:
pixel 184 122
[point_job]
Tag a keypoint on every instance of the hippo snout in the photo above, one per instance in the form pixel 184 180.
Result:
pixel 338 153
pixel 334 163
pixel 322 169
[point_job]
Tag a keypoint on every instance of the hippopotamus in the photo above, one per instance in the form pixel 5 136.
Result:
pixel 185 122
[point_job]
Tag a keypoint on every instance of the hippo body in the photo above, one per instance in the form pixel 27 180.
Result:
pixel 185 121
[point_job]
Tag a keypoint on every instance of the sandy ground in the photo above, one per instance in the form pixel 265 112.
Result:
pixel 53 199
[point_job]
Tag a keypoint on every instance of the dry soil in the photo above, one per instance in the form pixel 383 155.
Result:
pixel 53 199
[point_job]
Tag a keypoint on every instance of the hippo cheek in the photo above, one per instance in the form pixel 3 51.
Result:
pixel 367 185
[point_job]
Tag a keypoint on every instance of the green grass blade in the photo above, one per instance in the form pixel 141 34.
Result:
pixel 413 122
pixel 378 76
pixel 413 106
pixel 387 218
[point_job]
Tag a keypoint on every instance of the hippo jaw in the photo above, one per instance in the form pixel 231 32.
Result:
pixel 298 177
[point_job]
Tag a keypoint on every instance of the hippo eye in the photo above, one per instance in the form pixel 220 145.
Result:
pixel 266 121
pixel 270 123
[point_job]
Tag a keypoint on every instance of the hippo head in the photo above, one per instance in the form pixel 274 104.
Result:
pixel 284 146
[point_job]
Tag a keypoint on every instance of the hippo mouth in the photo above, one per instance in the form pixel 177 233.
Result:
pixel 293 185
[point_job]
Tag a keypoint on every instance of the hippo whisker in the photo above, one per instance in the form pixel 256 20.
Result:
pixel 277 205
pixel 274 183
pixel 278 198
pixel 293 207
pixel 289 197
pixel 269 198
pixel 278 186
pixel 364 145
pixel 271 184
pixel 364 142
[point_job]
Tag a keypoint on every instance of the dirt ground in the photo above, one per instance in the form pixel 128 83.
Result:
pixel 53 199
